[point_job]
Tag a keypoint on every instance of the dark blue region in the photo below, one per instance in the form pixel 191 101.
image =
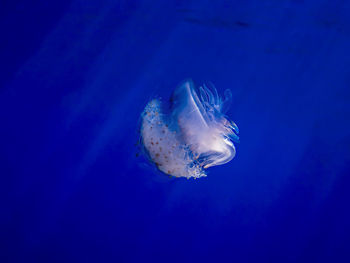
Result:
pixel 75 76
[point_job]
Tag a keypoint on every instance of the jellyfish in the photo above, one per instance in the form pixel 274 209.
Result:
pixel 185 137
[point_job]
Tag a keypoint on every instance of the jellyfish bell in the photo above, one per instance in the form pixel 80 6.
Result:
pixel 193 136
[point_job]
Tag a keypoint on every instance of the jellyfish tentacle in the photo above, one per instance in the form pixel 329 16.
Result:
pixel 235 127
pixel 226 103
pixel 210 95
pixel 203 94
pixel 216 96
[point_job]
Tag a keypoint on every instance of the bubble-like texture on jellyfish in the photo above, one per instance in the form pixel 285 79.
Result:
pixel 191 133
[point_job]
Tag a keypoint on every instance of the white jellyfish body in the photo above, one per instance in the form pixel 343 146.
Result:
pixel 193 136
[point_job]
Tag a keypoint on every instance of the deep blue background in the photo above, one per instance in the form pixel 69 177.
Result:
pixel 75 76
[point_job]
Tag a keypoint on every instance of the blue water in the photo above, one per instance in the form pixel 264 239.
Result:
pixel 75 76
